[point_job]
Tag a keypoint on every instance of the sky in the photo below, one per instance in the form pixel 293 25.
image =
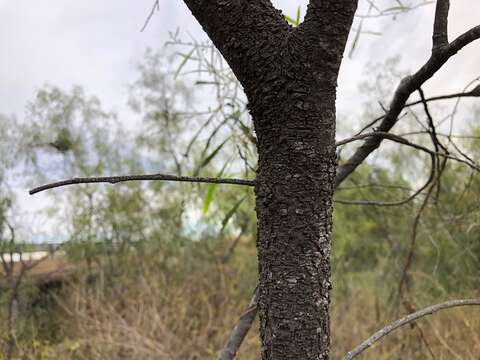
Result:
pixel 97 44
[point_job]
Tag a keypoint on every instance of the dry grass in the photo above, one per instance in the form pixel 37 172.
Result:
pixel 452 334
pixel 177 308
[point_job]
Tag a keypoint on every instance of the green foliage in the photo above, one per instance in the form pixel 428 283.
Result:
pixel 294 21
pixel 232 212
pixel 209 158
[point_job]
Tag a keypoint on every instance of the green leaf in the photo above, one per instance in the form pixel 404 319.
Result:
pixel 292 21
pixel 208 198
pixel 232 212
pixel 206 82
pixel 298 16
pixel 212 136
pixel 184 61
pixel 211 189
pixel 210 157
pixel 197 134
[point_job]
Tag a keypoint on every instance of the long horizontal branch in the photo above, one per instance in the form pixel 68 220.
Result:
pixel 407 320
pixel 152 177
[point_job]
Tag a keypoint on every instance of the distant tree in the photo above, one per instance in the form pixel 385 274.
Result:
pixel 13 269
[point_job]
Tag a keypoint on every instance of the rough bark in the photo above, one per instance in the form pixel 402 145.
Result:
pixel 289 76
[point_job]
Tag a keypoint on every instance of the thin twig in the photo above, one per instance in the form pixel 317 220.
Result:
pixel 155 7
pixel 407 320
pixel 231 250
pixel 152 177
pixel 411 197
pixel 473 93
pixel 401 140
pixel 407 86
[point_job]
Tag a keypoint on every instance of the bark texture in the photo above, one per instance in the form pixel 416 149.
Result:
pixel 289 76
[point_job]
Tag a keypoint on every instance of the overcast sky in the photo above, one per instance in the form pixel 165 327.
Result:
pixel 96 44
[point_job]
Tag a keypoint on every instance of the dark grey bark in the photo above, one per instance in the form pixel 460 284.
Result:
pixel 289 76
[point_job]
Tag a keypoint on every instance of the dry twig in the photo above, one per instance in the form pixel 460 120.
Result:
pixel 407 320
pixel 153 177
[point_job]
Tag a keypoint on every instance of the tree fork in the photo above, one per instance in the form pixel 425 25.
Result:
pixel 289 76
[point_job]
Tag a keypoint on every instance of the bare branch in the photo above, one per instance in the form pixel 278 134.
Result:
pixel 240 331
pixel 474 93
pixel 408 320
pixel 440 26
pixel 152 177
pixel 231 250
pixel 406 87
pixel 463 40
pixel 431 124
pixel 155 7
pixel 433 154
pixel 403 141
pixel 374 186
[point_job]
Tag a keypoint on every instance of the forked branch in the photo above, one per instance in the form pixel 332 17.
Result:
pixel 406 87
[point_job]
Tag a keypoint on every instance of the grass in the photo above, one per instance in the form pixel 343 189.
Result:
pixel 183 304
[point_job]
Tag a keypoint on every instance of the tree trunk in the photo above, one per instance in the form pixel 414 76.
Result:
pixel 294 190
pixel 289 76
